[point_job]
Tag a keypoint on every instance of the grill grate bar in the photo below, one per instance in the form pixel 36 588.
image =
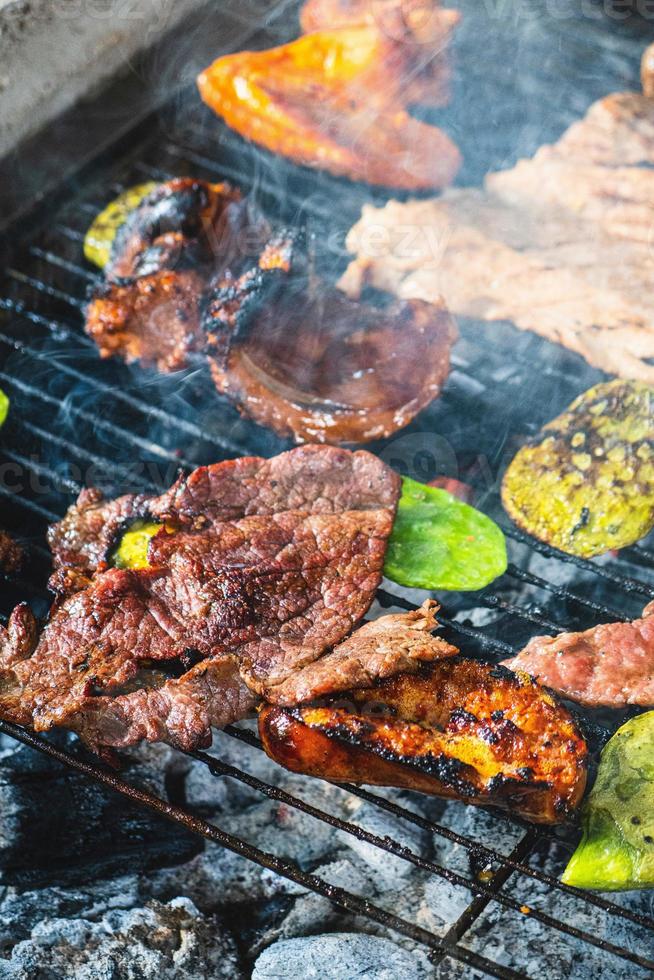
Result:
pixel 628 584
pixel 481 850
pixel 71 233
pixel 480 903
pixel 107 466
pixel 484 892
pixel 131 438
pixel 30 505
pixel 47 256
pixel 563 593
pixel 496 602
pixel 44 288
pixel 59 330
pixel 64 483
pixel 152 411
pixel 345 900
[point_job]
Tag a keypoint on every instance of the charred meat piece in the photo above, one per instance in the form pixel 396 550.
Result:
pixel 387 646
pixel 422 26
pixel 148 309
pixel 293 353
pixel 11 554
pixel 260 567
pixel 154 319
pixel 611 665
pixel 301 358
pixel 183 222
pixel 559 244
pixel 333 100
pixel 458 729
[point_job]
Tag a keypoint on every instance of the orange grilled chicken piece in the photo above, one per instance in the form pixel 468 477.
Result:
pixel 421 27
pixel 334 100
pixel 425 16
pixel 458 729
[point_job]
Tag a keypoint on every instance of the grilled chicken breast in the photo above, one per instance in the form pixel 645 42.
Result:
pixel 333 100
pixel 422 26
pixel 458 729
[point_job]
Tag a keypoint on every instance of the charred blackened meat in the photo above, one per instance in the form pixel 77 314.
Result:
pixel 148 308
pixel 298 356
pixel 290 350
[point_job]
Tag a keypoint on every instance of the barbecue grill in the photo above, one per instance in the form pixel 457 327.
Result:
pixel 77 421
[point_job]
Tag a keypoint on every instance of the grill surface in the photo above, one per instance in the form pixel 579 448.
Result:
pixel 77 421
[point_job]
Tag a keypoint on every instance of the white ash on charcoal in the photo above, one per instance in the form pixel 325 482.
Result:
pixel 566 908
pixel 156 942
pixel 340 955
pixel 390 870
pixel 521 943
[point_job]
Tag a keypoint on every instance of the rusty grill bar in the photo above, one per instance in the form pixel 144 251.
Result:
pixel 48 362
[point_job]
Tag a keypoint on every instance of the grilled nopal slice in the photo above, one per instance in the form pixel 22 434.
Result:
pixel 457 728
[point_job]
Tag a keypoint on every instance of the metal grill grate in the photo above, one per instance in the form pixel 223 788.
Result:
pixel 110 417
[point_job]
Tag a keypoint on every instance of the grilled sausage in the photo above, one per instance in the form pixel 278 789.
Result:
pixel 458 729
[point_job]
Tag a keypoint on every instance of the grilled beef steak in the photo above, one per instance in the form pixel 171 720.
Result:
pixel 456 728
pixel 309 363
pixel 560 244
pixel 387 646
pixel 611 665
pixel 260 566
pixel 292 352
pixel 335 99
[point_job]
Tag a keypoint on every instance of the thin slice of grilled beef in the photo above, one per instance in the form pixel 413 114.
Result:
pixel 560 244
pixel 387 646
pixel 298 356
pixel 611 665
pixel 259 567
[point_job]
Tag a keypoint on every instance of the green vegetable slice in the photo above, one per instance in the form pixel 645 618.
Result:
pixel 616 852
pixel 132 550
pixel 438 542
pixel 4 407
pixel 587 485
pixel 100 236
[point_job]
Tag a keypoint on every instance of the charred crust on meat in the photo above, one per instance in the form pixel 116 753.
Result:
pixel 502 673
pixel 175 206
pixel 233 300
pixel 460 718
